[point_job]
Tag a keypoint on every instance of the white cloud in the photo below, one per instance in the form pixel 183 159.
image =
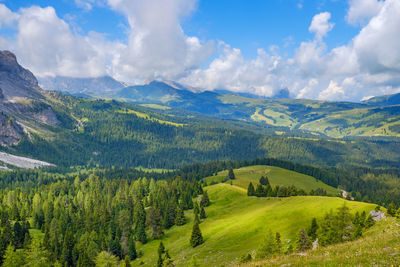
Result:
pixel 7 17
pixel 368 65
pixel 46 45
pixel 158 47
pixel 361 11
pixel 320 25
pixel 333 91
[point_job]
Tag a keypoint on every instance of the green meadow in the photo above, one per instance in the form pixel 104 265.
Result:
pixel 236 224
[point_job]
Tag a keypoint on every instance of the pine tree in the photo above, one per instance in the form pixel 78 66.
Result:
pixel 180 217
pixel 264 180
pixel 278 242
pixel 344 224
pixel 161 248
pixel 105 259
pixel 132 249
pixel 312 231
pixel 196 237
pixel 303 242
pixel 196 208
pixel 13 258
pixel 140 219
pixel 268 247
pixel 67 248
pixel 202 213
pixel 231 174
pixel 250 190
pixel 205 200
pixel 154 222
pixel 391 210
pixel 127 261
pixel 260 191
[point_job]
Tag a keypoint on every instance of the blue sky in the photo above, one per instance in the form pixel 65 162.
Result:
pixel 324 49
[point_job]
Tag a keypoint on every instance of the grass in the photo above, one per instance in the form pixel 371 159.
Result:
pixel 148 117
pixel 156 106
pixel 276 176
pixel 380 246
pixel 236 224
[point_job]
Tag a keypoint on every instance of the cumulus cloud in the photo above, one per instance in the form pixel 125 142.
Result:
pixel 158 47
pixel 7 17
pixel 361 11
pixel 262 75
pixel 45 44
pixel 320 25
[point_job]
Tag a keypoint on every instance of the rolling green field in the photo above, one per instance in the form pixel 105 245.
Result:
pixel 236 224
pixel 380 246
pixel 276 176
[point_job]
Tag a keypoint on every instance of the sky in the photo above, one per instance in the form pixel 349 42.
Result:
pixel 317 49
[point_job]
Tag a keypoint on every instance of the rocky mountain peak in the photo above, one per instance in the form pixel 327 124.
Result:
pixel 9 66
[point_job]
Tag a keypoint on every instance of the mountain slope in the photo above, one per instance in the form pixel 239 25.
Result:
pixel 379 247
pixel 236 224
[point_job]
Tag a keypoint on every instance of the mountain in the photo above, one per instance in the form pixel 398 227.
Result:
pixel 23 106
pixel 386 100
pixel 100 86
pixel 66 130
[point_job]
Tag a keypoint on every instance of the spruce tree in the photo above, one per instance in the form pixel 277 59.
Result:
pixel 260 191
pixel 278 242
pixel 202 213
pixel 161 248
pixel 132 249
pixel 264 180
pixel 391 210
pixel 312 232
pixel 231 174
pixel 127 261
pixel 250 190
pixel 205 200
pixel 196 237
pixel 180 217
pixel 268 246
pixel 140 219
pixel 303 242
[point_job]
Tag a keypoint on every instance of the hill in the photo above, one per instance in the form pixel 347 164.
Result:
pixel 379 247
pixel 276 176
pixel 236 224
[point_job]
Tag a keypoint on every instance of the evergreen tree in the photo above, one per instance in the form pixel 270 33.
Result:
pixel 231 174
pixel 268 247
pixel 36 256
pixel 13 258
pixel 180 217
pixel 127 261
pixel 202 213
pixel 344 224
pixel 132 249
pixel 196 208
pixel 115 248
pixel 312 231
pixel 250 190
pixel 67 248
pixel 196 237
pixel 205 200
pixel 260 191
pixel 303 242
pixel 278 242
pixel 19 235
pixel 140 219
pixel 154 222
pixel 391 210
pixel 264 180
pixel 105 259
pixel 161 248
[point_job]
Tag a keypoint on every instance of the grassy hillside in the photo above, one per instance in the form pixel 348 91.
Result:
pixel 236 223
pixel 334 119
pixel 276 176
pixel 380 246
